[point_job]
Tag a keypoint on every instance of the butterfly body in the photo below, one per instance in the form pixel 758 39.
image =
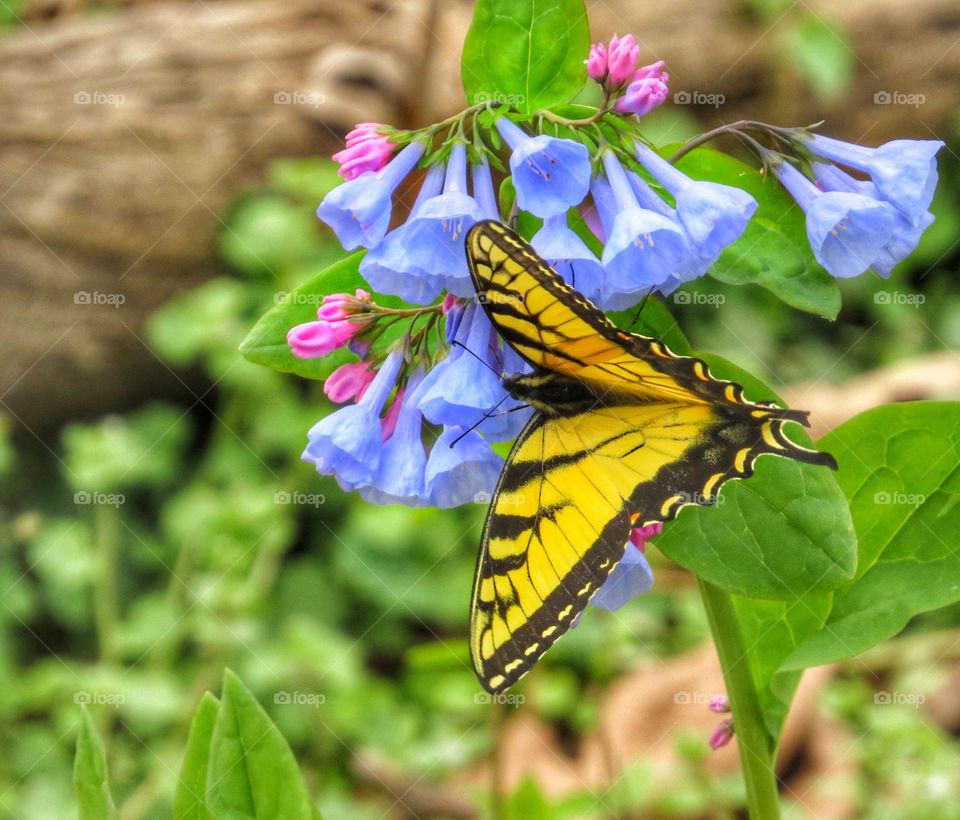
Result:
pixel 627 433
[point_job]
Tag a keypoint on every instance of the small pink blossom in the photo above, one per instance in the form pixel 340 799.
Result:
pixel 654 71
pixel 338 306
pixel 449 303
pixel 389 421
pixel 722 735
pixel 622 56
pixel 639 536
pixel 312 340
pixel 349 382
pixel 597 62
pixel 719 704
pixel 367 150
pixel 642 96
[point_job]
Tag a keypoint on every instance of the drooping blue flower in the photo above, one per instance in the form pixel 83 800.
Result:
pixel 462 388
pixel 846 230
pixel 347 443
pixel 644 249
pixel 434 239
pixel 400 473
pixel 630 578
pixel 906 235
pixel 904 171
pixel 461 472
pixel 550 174
pixel 388 268
pixel 714 215
pixel 569 256
pixel 359 209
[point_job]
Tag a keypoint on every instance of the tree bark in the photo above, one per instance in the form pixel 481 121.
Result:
pixel 126 133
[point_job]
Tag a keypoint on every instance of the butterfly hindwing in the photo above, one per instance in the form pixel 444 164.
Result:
pixel 646 433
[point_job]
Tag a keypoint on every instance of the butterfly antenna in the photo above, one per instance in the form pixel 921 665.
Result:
pixel 478 422
pixel 485 364
pixel 643 304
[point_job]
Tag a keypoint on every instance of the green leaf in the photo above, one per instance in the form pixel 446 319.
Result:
pixel 252 772
pixel 819 50
pixel 266 343
pixel 525 53
pixel 784 533
pixel 190 803
pixel 90 774
pixel 773 251
pixel 656 321
pixel 900 469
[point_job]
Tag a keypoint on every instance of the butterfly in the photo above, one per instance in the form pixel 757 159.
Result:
pixel 625 433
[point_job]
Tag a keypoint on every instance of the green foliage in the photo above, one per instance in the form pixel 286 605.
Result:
pixel 90 774
pixel 900 468
pixel 783 534
pixel 528 53
pixel 190 800
pixel 819 50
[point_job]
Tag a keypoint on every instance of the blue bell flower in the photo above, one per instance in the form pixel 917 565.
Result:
pixel 550 174
pixel 904 171
pixel 569 256
pixel 388 268
pixel 463 472
pixel 359 209
pixel 347 443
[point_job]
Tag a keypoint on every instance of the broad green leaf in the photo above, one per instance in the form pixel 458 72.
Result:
pixel 252 773
pixel 900 469
pixel 773 251
pixel 190 803
pixel 266 343
pixel 784 533
pixel 90 782
pixel 527 54
pixel 653 320
pixel 771 630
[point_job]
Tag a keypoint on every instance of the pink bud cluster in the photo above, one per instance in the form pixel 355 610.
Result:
pixel 368 149
pixel 333 328
pixel 638 90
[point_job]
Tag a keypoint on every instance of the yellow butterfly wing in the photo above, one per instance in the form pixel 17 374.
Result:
pixel 662 434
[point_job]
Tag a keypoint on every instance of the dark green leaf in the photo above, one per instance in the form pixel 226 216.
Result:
pixel 784 533
pixel 525 53
pixel 773 251
pixel 900 469
pixel 252 772
pixel 90 774
pixel 190 803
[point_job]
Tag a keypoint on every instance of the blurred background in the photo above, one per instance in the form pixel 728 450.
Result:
pixel 160 163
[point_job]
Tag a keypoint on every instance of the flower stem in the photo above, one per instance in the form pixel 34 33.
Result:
pixel 757 753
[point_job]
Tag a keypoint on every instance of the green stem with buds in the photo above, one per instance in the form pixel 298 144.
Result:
pixel 757 752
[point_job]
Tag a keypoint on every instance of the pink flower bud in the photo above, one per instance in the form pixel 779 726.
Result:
pixel 642 96
pixel 348 382
pixel 719 704
pixel 622 59
pixel 654 71
pixel 367 150
pixel 597 62
pixel 389 421
pixel 722 735
pixel 337 306
pixel 311 340
pixel 449 302
pixel 639 536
